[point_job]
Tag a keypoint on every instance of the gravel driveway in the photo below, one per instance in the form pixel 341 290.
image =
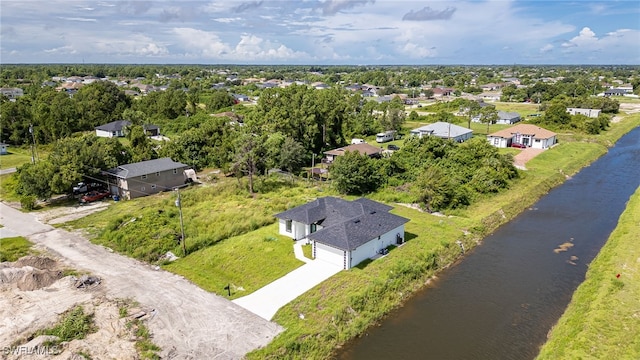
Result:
pixel 190 323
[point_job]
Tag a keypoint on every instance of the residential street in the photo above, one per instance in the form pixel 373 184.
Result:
pixel 189 323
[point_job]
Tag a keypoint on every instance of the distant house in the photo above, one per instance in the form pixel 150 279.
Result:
pixel 342 232
pixel 508 118
pixel 117 129
pixel 363 149
pixel 4 149
pixel 240 98
pixel 616 92
pixel 145 178
pixel 444 130
pixel 526 135
pixel 12 93
pixel 592 113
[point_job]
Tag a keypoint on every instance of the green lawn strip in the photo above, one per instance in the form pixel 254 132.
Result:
pixel 343 306
pixel 13 248
pixel 603 319
pixel 8 183
pixel 15 157
pixel 246 262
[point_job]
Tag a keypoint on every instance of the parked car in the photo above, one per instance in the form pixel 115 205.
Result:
pixel 94 196
pixel 82 187
pixel 519 146
pixel 393 147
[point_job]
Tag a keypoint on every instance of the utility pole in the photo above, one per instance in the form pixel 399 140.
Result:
pixel 33 144
pixel 179 205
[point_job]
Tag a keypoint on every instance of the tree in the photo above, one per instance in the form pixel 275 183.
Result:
pixel 489 115
pixel 219 99
pixel 292 156
pixel 98 103
pixel 472 109
pixel 141 146
pixel 355 174
pixel 249 156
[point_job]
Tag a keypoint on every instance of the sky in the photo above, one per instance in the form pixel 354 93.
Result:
pixel 321 32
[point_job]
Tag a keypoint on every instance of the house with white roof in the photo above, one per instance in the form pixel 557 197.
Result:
pixel 444 130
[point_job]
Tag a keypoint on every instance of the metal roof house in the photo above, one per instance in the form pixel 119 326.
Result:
pixel 145 178
pixel 343 232
pixel 444 130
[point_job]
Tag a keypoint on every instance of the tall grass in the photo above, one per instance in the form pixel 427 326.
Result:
pixel 13 248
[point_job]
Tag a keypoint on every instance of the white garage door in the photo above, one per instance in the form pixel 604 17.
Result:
pixel 329 254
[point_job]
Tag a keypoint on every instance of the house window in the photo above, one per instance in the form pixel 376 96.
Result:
pixel 153 186
pixel 143 177
pixel 158 174
pixel 496 141
pixel 313 228
pixel 289 224
pixel 175 171
pixel 142 188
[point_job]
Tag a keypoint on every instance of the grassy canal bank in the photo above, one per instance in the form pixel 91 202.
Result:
pixel 603 319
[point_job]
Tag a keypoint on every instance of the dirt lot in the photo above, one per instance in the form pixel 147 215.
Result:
pixel 188 322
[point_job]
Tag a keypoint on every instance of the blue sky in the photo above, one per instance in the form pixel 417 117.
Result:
pixel 359 32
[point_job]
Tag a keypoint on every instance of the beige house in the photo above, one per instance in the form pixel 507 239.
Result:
pixel 145 178
pixel 523 135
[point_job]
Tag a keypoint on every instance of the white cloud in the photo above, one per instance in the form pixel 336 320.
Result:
pixel 547 48
pixel 417 52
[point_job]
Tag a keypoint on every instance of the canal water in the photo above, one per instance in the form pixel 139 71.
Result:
pixel 503 298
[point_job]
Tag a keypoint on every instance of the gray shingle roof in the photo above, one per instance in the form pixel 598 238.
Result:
pixel 117 125
pixel 346 224
pixel 145 168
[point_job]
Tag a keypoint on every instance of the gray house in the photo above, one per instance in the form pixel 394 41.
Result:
pixel 117 128
pixel 145 178
pixel 343 232
pixel 444 130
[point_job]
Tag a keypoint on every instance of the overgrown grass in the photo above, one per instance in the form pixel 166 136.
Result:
pixel 603 319
pixel 245 262
pixel 8 183
pixel 149 227
pixel 75 324
pixel 13 248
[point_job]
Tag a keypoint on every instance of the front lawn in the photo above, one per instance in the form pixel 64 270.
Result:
pixel 246 262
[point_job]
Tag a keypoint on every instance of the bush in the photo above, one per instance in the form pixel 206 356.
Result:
pixel 28 202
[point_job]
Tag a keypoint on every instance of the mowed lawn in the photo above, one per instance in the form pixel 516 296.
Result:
pixel 246 262
pixel 15 157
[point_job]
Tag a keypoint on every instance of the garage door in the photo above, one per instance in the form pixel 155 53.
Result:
pixel 330 254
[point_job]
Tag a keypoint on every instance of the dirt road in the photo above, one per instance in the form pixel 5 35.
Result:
pixel 189 323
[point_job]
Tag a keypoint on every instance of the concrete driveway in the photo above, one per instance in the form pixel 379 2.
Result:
pixel 266 301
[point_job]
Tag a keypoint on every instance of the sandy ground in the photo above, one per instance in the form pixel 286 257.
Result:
pixel 189 323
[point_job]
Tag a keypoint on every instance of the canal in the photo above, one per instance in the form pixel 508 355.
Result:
pixel 503 298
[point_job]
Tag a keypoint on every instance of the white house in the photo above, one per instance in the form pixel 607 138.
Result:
pixel 526 135
pixel 117 129
pixel 508 118
pixel 444 130
pixel 592 113
pixel 343 232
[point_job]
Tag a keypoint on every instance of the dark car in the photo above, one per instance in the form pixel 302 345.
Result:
pixel 393 147
pixel 519 146
pixel 94 196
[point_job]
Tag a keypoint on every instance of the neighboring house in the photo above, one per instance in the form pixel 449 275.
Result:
pixel 527 135
pixel 343 232
pixel 508 118
pixel 363 149
pixel 145 178
pixel 12 93
pixel 592 113
pixel 117 129
pixel 241 98
pixel 444 130
pixel 4 149
pixel 615 92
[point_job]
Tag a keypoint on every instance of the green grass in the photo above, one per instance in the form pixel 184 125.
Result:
pixel 307 251
pixel 523 109
pixel 15 157
pixel 246 262
pixel 12 249
pixel 75 324
pixel 603 319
